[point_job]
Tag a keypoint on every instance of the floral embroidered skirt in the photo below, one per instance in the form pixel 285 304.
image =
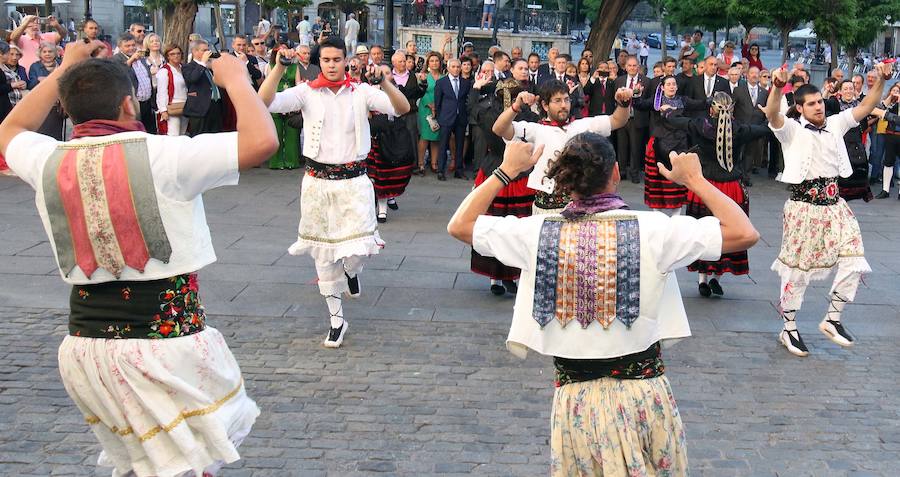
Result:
pixel 815 238
pixel 337 219
pixel 617 428
pixel 159 407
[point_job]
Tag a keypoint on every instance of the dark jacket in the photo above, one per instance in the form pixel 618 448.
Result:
pixel 685 84
pixel 448 106
pixel 413 91
pixel 199 90
pixel 641 118
pixel 703 136
pixel 745 110
pixel 602 92
pixel 5 104
pixel 254 70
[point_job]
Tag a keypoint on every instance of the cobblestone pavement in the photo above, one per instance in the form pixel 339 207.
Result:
pixel 423 385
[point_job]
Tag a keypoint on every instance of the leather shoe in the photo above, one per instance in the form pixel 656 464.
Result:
pixel 635 179
pixel 441 176
pixel 460 175
pixel 747 182
pixel 882 195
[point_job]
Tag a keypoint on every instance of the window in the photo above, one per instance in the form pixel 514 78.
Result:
pixel 229 20
pixel 423 43
pixel 136 13
pixel 541 48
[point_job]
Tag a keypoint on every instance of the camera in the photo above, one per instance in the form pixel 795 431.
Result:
pixel 215 55
pixel 286 61
pixel 147 52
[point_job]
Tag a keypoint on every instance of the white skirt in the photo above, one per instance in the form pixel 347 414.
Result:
pixel 160 407
pixel 337 219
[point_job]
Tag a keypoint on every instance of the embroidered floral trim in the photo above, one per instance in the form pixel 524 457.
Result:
pixel 821 191
pixel 335 172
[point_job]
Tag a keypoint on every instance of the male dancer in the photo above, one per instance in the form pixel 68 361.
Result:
pixel 338 225
pixel 553 132
pixel 820 232
pixel 124 215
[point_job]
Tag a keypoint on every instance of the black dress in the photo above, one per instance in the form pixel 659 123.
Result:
pixel 857 185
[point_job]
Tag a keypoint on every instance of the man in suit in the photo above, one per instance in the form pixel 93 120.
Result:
pixel 547 68
pixel 534 65
pixel 748 97
pixel 602 91
pixel 139 73
pixel 707 84
pixel 450 93
pixel 632 139
pixel 203 107
pixel 576 96
pixel 239 49
pixel 501 65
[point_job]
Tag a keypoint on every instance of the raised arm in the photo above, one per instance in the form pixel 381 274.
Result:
pixel 58 26
pixel 503 127
pixel 620 116
pixel 773 104
pixel 257 140
pixel 398 100
pixel 874 97
pixel 20 30
pixel 518 157
pixel 737 231
pixel 270 85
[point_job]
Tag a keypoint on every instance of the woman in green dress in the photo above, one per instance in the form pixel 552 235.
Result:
pixel 288 154
pixel 435 68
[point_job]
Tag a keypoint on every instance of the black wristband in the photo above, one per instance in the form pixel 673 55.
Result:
pixel 623 105
pixel 499 174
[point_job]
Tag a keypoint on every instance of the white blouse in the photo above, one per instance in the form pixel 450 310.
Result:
pixel 162 89
pixel 631 282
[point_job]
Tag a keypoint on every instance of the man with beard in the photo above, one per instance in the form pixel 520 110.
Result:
pixel 338 225
pixel 553 132
pixel 516 198
pixel 814 158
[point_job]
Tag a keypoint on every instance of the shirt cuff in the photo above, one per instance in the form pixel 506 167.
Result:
pixel 711 229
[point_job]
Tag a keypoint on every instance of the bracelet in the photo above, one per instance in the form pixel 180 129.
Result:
pixel 623 104
pixel 502 177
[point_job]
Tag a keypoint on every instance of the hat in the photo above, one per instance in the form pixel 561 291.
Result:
pixel 362 49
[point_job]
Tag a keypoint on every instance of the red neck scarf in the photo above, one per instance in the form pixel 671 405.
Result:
pixel 563 124
pixel 104 127
pixel 322 82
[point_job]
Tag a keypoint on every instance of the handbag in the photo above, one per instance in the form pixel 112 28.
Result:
pixel 432 123
pixel 175 109
pixel 882 126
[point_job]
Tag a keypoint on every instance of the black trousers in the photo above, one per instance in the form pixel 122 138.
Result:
pixel 458 129
pixel 776 157
pixel 211 123
pixel 891 150
pixel 632 142
pixel 148 119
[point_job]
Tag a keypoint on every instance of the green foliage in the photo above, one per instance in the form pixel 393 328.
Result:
pixel 707 14
pixel 591 8
pixel 868 21
pixel 751 13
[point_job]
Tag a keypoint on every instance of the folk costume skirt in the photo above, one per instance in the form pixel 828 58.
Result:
pixel 617 428
pixel 390 181
pixel 337 219
pixel 515 199
pixel 159 407
pixel 815 238
pixel 736 263
pixel 659 192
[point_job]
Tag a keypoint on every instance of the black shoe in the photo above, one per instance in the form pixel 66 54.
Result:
pixel 392 204
pixel 772 176
pixel 460 175
pixel 836 332
pixel 705 290
pixel 715 287
pixel 635 179
pixel 382 218
pixel 510 286
pixel 747 182
pixel 754 170
pixel 353 285
pixel 335 336
pixel 441 176
pixel 882 195
pixel 795 346
pixel 874 180
pixel 420 172
pixel 497 289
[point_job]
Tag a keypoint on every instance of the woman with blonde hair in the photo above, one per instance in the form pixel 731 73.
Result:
pixel 172 94
pixel 155 60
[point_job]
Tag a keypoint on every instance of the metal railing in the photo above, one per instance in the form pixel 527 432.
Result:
pixel 449 15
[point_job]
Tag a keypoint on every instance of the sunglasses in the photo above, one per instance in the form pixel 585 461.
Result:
pixel 139 31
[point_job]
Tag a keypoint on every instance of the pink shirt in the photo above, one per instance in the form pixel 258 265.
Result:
pixel 31 47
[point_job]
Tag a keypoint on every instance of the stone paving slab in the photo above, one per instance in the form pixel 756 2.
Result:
pixel 424 385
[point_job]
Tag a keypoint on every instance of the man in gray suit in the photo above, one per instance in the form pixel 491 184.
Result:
pixel 748 97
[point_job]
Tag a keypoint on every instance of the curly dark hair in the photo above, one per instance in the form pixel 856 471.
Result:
pixel 584 166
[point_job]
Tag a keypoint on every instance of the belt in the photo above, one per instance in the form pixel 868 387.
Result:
pixel 156 309
pixel 821 191
pixel 335 172
pixel 642 365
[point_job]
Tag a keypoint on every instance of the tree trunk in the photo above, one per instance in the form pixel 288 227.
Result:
pixel 179 20
pixel 606 26
pixel 851 60
pixel 662 38
pixel 785 43
pixel 834 56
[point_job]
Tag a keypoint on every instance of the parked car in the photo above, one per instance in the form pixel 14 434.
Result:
pixel 653 41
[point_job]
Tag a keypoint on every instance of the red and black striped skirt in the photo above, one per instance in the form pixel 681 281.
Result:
pixel 735 263
pixel 659 192
pixel 515 199
pixel 389 180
